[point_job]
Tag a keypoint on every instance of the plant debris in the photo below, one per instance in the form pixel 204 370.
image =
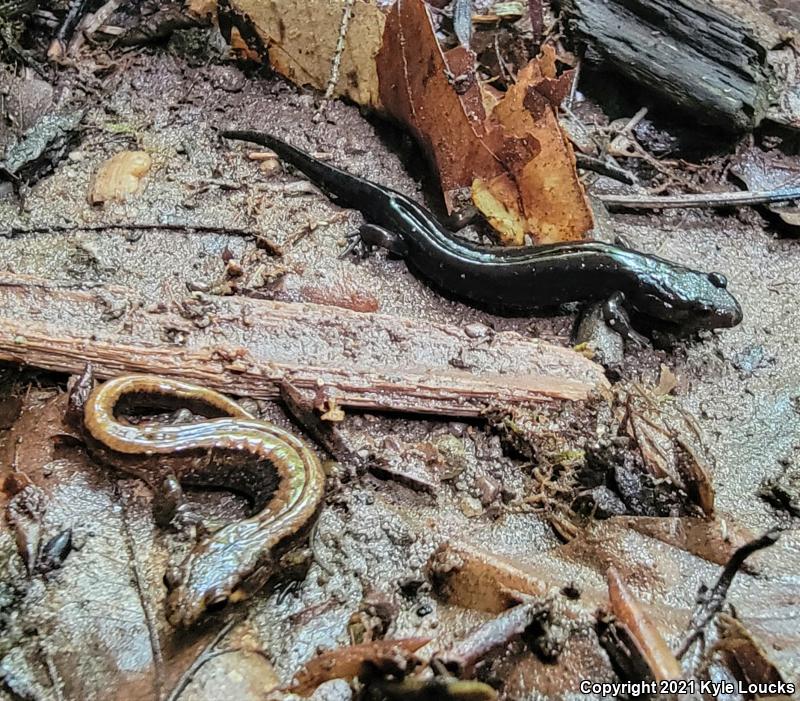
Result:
pixel 41 148
pixel 120 177
pixel 393 657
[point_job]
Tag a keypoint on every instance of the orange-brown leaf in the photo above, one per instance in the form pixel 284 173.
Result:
pixel 514 157
pixel 651 644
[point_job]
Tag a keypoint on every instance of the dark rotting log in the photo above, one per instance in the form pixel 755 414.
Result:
pixel 706 57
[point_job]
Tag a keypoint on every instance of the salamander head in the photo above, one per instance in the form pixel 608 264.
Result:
pixel 219 570
pixel 686 298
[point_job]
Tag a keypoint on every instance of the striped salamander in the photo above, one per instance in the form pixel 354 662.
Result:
pixel 525 278
pixel 230 449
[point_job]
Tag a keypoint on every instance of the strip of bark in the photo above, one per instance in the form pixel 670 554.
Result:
pixel 251 347
pixel 461 658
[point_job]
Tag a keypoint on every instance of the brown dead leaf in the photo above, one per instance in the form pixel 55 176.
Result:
pixel 515 159
pixel 714 539
pixel 301 40
pixel 119 177
pixel 416 90
pixel 347 662
pixel 747 659
pixel 670 441
pixel 507 150
pixel 650 643
pixel 553 204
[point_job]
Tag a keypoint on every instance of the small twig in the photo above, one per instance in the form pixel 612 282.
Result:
pixel 537 19
pixel 463 655
pixel 206 655
pixel 576 76
pixel 55 679
pixel 91 23
pixel 269 246
pixel 462 22
pixel 710 603
pixel 598 165
pixel 716 199
pixel 505 69
pixel 633 121
pixel 71 20
pixel 347 12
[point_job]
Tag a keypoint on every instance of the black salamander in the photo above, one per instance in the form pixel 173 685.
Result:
pixel 525 278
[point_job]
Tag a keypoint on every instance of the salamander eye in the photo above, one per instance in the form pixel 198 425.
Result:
pixel 217 604
pixel 718 280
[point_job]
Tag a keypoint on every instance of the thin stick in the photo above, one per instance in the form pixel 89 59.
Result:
pixel 206 655
pixel 576 76
pixel 537 20
pixel 711 603
pixel 65 31
pixel 717 199
pixel 266 244
pixel 337 56
pixel 598 165
pixel 91 23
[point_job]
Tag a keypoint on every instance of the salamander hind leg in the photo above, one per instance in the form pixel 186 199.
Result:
pixel 370 236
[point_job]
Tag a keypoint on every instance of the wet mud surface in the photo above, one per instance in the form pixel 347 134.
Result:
pixel 94 628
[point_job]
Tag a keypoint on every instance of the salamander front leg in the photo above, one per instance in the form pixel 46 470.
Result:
pixel 616 316
pixel 170 507
pixel 371 236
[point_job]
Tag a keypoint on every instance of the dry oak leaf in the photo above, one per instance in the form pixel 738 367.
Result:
pixel 514 158
pixel 552 205
pixel 119 177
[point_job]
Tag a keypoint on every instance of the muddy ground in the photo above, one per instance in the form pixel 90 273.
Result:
pixel 94 629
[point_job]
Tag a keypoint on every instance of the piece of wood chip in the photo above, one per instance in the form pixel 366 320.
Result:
pixel 120 177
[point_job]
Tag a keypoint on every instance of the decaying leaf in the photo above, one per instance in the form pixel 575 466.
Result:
pixel 349 661
pixel 511 152
pixel 714 539
pixel 119 177
pixel 301 40
pixel 468 576
pixel 25 511
pixel 670 441
pixel 643 632
pixel 552 205
pixel 745 657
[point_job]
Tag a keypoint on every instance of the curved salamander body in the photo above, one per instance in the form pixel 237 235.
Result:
pixel 282 476
pixel 524 278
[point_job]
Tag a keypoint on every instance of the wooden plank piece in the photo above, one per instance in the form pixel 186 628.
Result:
pixel 250 347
